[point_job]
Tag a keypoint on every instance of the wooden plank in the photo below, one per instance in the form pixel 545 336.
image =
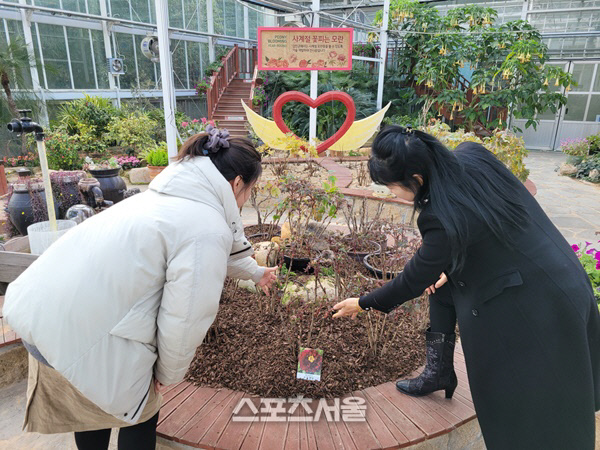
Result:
pixel 412 432
pixel 235 432
pixel 430 426
pixel 361 434
pixel 454 406
pixel 254 436
pixel 13 264
pixel 399 436
pixel 214 433
pixel 193 431
pixel 309 424
pixel 377 425
pixel 319 428
pixel 169 388
pixel 341 437
pixel 172 423
pixel 275 432
pixel 292 439
pixel 174 399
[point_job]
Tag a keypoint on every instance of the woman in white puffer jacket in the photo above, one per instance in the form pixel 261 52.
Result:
pixel 118 306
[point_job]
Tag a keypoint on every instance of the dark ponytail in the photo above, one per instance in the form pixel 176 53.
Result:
pixel 468 179
pixel 239 159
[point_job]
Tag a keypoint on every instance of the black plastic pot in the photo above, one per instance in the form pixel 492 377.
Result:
pixel 360 256
pixel 378 273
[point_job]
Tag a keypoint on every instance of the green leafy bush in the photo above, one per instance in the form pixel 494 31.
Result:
pixel 157 155
pixel 589 169
pixel 590 259
pixel 96 113
pixel 135 131
pixel 63 151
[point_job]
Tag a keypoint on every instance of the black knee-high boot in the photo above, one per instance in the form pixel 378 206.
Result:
pixel 439 370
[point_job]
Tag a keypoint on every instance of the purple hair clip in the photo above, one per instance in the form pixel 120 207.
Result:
pixel 217 139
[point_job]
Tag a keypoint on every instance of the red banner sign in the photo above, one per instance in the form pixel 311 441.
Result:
pixel 286 48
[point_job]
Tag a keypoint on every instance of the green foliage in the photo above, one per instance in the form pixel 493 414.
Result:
pixel 507 147
pixel 135 131
pixel 594 143
pixel 63 151
pixel 94 114
pixel 589 168
pixel 575 147
pixel 590 259
pixel 157 155
pixel 507 63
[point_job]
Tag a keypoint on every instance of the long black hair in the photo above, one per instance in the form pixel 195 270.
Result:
pixel 453 183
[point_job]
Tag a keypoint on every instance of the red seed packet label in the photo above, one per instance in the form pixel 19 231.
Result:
pixel 310 363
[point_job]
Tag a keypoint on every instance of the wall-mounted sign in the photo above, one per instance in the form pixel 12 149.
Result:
pixel 286 48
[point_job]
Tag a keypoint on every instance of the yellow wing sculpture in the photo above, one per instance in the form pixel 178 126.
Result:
pixel 356 136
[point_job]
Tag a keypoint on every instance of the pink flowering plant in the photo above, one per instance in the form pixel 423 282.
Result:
pixel 194 126
pixel 575 147
pixel 128 162
pixel 589 256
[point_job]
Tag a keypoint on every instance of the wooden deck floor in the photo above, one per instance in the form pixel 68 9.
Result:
pixel 202 417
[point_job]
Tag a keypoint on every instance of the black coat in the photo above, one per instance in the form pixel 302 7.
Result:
pixel 529 327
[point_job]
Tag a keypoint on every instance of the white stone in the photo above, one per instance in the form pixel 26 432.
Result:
pixel 567 169
pixel 265 253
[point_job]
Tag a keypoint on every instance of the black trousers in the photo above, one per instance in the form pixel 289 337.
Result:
pixel 442 315
pixel 141 436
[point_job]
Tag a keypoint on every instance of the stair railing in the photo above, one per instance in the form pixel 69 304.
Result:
pixel 221 79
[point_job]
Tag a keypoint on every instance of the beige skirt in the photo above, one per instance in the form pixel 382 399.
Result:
pixel 55 406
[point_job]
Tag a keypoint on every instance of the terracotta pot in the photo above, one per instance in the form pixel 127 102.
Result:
pixel 154 170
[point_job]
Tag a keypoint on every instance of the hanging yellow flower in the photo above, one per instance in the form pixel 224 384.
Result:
pixel 556 82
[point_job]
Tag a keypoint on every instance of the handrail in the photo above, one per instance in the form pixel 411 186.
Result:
pixel 220 80
pixel 253 85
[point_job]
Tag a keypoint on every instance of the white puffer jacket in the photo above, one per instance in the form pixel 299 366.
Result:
pixel 131 292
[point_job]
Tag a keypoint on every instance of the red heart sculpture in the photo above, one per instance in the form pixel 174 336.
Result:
pixel 295 96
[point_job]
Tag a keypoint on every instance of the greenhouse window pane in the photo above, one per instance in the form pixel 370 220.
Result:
pixel 120 8
pixel 253 23
pixel 179 67
pixel 140 11
pixel 81 58
pixel 201 16
pixel 576 106
pixel 218 16
pixel 593 114
pixel 194 63
pixel 175 14
pixel 55 56
pixel 190 8
pixel 582 74
pixel 125 50
pixel 48 3
pixel 597 83
pixel 74 5
pixel 100 57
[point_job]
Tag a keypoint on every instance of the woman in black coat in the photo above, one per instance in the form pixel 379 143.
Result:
pixel 529 323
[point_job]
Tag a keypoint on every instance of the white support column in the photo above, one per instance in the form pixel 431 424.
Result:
pixel 166 72
pixel 107 44
pixel 314 81
pixel 247 36
pixel 211 29
pixel 35 77
pixel 383 38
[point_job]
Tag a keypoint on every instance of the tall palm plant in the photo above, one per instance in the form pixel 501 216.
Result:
pixel 13 60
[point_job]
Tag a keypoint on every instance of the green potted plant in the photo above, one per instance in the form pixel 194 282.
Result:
pixel 157 158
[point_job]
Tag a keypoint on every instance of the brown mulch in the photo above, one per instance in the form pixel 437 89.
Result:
pixel 254 343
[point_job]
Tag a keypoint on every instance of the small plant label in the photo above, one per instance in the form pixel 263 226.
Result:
pixel 310 363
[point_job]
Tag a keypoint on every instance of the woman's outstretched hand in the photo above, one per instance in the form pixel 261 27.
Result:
pixel 438 284
pixel 348 307
pixel 268 278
